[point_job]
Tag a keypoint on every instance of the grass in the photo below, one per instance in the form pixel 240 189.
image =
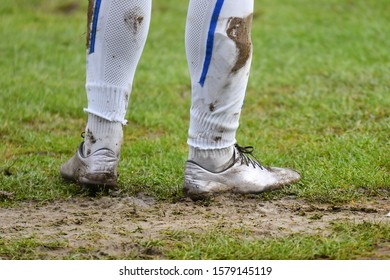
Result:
pixel 346 241
pixel 318 100
pixel 27 248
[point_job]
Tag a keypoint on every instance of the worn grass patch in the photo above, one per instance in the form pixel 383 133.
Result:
pixel 344 241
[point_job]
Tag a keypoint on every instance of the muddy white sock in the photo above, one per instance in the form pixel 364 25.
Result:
pixel 215 160
pixel 219 54
pixel 117 31
pixel 101 133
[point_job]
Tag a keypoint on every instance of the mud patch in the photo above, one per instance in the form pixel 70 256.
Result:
pixel 89 140
pixel 239 31
pixel 117 227
pixel 6 195
pixel 91 5
pixel 90 137
pixel 7 172
pixel 212 106
pixel 134 19
pixel 69 8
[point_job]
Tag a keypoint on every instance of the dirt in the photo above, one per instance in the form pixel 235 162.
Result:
pixel 90 137
pixel 239 31
pixel 134 19
pixel 212 106
pixel 69 8
pixel 91 5
pixel 118 226
pixel 5 195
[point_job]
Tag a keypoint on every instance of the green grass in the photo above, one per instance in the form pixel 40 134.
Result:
pixel 27 248
pixel 318 100
pixel 345 241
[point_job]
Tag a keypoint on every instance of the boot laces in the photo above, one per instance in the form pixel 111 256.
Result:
pixel 246 156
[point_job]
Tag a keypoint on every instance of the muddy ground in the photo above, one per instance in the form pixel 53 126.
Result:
pixel 116 226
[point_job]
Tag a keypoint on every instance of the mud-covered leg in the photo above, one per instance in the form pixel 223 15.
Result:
pixel 219 53
pixel 116 35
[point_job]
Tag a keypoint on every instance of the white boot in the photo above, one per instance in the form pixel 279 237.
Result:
pixel 98 168
pixel 245 175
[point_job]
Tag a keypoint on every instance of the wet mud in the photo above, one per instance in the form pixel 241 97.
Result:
pixel 91 5
pixel 116 227
pixel 239 30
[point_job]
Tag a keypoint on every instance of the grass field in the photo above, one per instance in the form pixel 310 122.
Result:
pixel 318 100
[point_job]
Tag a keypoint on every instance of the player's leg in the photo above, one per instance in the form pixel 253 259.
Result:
pixel 117 31
pixel 219 53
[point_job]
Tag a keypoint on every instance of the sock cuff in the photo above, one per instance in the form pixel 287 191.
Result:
pixel 108 102
pixel 100 126
pixel 209 131
pixel 196 153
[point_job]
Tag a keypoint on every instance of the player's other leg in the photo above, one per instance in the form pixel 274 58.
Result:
pixel 117 31
pixel 219 53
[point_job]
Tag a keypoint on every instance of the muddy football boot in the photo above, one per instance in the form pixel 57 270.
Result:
pixel 98 168
pixel 245 175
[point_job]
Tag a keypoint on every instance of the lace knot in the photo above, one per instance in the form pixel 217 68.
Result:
pixel 245 154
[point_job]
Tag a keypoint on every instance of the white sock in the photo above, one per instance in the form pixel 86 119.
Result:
pixel 215 160
pixel 117 31
pixel 219 54
pixel 101 133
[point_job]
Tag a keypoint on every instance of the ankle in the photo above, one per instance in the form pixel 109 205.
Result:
pixel 101 133
pixel 214 160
